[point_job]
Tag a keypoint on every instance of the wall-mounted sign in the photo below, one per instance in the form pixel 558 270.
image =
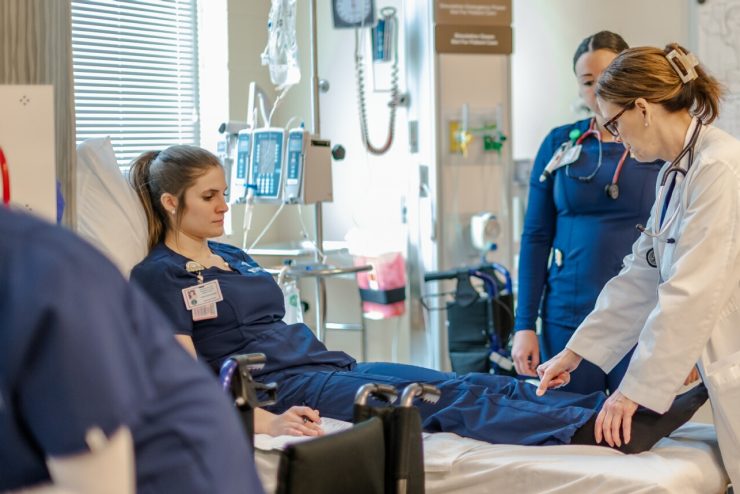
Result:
pixel 473 12
pixel 473 39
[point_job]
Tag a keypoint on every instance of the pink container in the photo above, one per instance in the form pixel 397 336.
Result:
pixel 382 289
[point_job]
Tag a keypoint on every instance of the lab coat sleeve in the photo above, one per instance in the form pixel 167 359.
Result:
pixel 537 237
pixel 623 306
pixel 703 273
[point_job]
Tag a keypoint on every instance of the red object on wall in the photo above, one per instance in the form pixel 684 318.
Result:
pixel 5 173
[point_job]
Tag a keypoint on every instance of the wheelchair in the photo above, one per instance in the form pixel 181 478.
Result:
pixel 479 322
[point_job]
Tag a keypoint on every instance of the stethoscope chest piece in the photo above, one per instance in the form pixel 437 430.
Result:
pixel 650 258
pixel 612 191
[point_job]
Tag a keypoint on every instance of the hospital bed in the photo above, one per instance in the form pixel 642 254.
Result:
pixel 687 462
pixel 110 216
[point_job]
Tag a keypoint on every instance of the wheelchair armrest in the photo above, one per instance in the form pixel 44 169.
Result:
pixel 236 379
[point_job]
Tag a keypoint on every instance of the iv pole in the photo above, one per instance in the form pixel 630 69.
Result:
pixel 320 298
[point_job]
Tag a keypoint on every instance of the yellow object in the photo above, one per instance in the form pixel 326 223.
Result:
pixel 459 140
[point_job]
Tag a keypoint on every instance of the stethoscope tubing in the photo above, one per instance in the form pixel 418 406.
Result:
pixel 676 163
pixel 617 171
pixel 660 203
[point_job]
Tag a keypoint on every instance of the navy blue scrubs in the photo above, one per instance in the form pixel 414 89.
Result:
pixel 82 349
pixel 489 408
pixel 589 235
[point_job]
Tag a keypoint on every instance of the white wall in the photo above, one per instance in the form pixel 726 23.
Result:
pixel 547 32
pixel 368 189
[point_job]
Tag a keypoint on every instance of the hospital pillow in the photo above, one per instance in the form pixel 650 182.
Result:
pixel 109 213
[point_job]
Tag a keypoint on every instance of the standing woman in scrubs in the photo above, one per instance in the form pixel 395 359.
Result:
pixel 678 297
pixel 581 220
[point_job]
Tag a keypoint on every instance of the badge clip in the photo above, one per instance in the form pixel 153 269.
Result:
pixel 197 268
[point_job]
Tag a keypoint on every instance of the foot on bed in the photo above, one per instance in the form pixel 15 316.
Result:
pixel 649 427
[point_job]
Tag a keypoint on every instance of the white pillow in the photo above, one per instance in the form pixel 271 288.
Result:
pixel 109 213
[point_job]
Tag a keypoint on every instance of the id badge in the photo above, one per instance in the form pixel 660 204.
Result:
pixel 205 311
pixel 202 295
pixel 571 155
pixel 557 157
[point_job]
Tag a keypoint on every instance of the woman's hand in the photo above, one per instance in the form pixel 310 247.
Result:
pixel 616 414
pixel 526 352
pixel 692 377
pixel 556 372
pixel 296 421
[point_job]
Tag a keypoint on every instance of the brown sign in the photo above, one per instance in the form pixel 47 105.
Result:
pixel 473 39
pixel 473 12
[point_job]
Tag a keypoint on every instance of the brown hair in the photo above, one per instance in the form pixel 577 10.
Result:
pixel 645 72
pixel 603 40
pixel 172 171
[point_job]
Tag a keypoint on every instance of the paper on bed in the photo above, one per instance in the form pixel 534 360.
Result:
pixel 267 443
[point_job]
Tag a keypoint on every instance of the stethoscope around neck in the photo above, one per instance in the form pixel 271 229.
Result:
pixel 664 197
pixel 612 188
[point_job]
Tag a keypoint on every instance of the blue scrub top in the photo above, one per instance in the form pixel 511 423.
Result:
pixel 593 232
pixel 249 318
pixel 82 349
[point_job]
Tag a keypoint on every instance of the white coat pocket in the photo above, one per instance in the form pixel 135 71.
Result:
pixel 723 380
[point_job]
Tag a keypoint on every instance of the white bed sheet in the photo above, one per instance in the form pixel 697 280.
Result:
pixel 687 462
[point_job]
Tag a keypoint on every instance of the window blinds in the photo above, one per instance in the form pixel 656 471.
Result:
pixel 135 72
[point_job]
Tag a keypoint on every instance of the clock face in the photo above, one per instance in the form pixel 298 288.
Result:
pixel 353 13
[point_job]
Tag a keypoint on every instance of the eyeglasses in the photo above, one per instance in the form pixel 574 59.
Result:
pixel 611 124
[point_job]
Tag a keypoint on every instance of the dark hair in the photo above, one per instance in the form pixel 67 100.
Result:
pixel 603 40
pixel 171 171
pixel 645 72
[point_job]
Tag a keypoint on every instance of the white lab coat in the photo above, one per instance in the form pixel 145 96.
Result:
pixel 687 310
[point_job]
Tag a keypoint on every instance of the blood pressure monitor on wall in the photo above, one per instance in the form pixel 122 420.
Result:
pixel 353 13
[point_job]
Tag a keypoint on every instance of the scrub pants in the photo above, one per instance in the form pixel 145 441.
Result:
pixel 496 409
pixel 587 378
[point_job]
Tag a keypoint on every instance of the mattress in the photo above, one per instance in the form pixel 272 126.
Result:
pixel 688 462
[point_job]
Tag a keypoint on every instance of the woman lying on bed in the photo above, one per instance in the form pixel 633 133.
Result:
pixel 223 303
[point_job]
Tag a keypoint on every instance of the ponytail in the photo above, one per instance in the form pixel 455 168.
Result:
pixel 140 178
pixel 702 94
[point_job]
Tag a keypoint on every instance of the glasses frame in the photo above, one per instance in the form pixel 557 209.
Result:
pixel 611 124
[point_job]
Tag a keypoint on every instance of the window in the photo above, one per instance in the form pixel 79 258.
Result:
pixel 136 72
